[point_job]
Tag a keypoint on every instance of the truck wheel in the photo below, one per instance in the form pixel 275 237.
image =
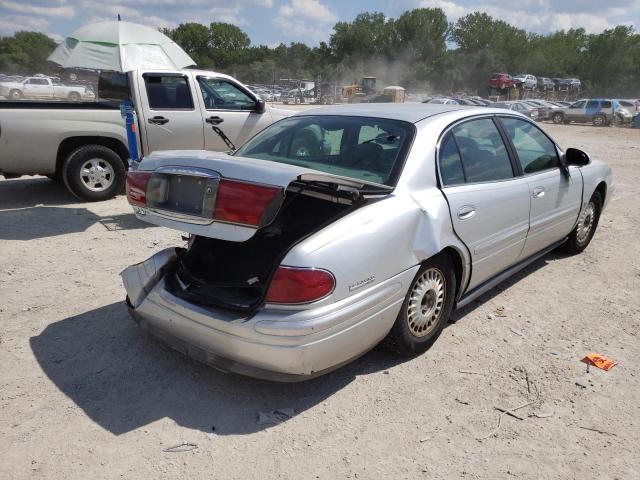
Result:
pixel 599 121
pixel 557 118
pixel 74 96
pixel 94 173
pixel 426 308
pixel 582 234
pixel 15 94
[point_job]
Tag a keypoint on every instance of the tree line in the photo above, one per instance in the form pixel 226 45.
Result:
pixel 420 50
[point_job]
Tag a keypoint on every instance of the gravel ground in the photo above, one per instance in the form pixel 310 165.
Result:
pixel 85 394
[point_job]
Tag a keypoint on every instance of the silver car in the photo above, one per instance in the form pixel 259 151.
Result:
pixel 338 228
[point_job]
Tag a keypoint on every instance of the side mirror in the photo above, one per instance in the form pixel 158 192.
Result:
pixel 576 157
pixel 261 106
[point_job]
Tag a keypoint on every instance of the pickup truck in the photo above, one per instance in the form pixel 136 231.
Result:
pixel 44 88
pixel 84 144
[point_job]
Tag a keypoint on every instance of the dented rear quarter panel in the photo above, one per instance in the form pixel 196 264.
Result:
pixel 390 235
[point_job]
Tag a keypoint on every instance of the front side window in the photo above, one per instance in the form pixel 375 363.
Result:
pixel 168 92
pixel 364 148
pixel 534 149
pixel 579 104
pixel 224 95
pixel 484 155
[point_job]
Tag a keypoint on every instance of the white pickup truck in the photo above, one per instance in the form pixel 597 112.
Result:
pixel 85 143
pixel 44 88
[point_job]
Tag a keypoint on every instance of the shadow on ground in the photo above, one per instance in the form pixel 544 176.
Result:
pixel 35 208
pixel 123 379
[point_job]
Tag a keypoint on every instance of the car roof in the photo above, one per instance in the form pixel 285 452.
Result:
pixel 408 112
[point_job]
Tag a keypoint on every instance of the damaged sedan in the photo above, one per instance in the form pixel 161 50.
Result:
pixel 338 228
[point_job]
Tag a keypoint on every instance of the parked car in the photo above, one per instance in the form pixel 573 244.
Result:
pixel 43 88
pixel 442 101
pixel 544 110
pixel 630 106
pixel 545 84
pixel 520 107
pixel 528 81
pixel 85 144
pixel 417 210
pixel 501 81
pixel 570 84
pixel 601 112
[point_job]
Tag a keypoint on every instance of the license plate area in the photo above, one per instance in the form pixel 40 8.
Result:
pixel 185 194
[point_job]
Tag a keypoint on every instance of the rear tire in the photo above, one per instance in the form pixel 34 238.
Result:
pixel 557 118
pixel 599 121
pixel 426 308
pixel 94 173
pixel 74 97
pixel 582 234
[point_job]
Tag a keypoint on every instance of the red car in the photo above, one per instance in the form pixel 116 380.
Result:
pixel 501 81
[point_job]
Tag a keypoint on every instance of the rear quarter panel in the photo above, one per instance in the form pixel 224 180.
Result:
pixel 388 236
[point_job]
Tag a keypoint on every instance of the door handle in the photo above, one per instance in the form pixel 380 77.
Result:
pixel 158 120
pixel 466 211
pixel 214 120
pixel 538 192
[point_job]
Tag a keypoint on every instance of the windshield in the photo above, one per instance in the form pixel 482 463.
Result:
pixel 364 148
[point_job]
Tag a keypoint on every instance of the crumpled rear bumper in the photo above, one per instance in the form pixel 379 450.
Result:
pixel 275 344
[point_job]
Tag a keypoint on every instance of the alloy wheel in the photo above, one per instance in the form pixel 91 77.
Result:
pixel 426 302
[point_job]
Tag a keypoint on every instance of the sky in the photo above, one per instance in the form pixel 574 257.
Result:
pixel 269 22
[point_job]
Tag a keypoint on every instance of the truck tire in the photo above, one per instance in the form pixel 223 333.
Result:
pixel 15 94
pixel 94 173
pixel 74 96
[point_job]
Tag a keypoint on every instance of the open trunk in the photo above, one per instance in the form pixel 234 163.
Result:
pixel 236 275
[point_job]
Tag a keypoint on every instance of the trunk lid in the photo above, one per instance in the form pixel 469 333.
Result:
pixel 225 197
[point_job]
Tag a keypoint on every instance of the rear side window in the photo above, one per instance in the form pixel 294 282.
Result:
pixel 168 92
pixel 606 104
pixel 592 104
pixel 451 171
pixel 484 155
pixel 534 149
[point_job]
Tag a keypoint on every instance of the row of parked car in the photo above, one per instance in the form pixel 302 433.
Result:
pixel 600 112
pixel 43 87
pixel 502 81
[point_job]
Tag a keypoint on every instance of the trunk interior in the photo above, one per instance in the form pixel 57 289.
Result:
pixel 236 275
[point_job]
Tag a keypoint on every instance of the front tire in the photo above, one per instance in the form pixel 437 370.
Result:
pixel 426 308
pixel 583 232
pixel 557 118
pixel 15 95
pixel 94 173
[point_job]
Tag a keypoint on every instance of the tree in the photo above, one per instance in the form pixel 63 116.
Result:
pixel 194 39
pixel 26 52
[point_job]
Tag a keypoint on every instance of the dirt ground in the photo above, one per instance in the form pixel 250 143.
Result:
pixel 85 394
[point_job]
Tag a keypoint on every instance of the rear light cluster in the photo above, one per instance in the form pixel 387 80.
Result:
pixel 236 202
pixel 299 285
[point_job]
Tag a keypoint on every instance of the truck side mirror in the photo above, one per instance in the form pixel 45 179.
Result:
pixel 261 106
pixel 576 157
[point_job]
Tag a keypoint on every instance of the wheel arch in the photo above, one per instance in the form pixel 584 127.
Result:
pixel 460 267
pixel 70 144
pixel 602 190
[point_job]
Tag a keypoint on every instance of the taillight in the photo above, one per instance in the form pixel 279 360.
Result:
pixel 300 285
pixel 136 187
pixel 245 203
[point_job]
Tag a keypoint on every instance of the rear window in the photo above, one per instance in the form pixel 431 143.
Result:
pixel 168 92
pixel 364 148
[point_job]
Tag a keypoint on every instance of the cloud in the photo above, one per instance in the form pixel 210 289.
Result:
pixel 305 18
pixel 16 23
pixel 28 8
